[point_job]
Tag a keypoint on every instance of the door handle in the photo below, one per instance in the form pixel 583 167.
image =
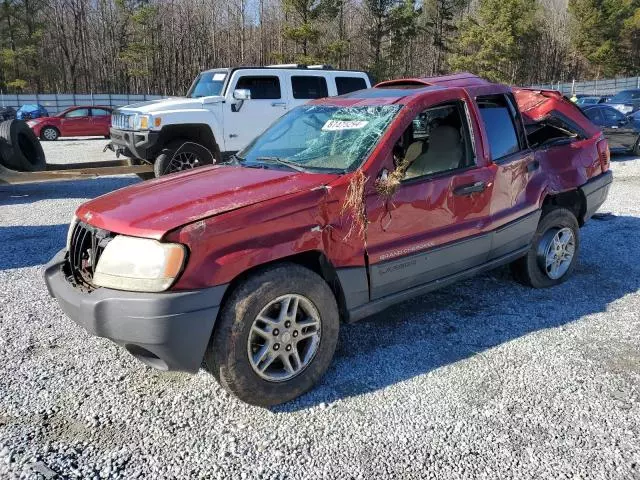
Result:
pixel 470 189
pixel 533 166
pixel 278 104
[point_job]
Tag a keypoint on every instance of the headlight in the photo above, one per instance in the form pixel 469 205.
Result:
pixel 142 122
pixel 72 225
pixel 31 123
pixel 139 264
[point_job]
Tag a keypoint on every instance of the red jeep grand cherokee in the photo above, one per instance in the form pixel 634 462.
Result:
pixel 343 207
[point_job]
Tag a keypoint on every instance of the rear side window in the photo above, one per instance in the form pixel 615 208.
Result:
pixel 309 87
pixel 262 88
pixel 499 125
pixel 349 84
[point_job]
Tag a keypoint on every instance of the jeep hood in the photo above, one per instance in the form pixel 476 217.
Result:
pixel 153 208
pixel 167 104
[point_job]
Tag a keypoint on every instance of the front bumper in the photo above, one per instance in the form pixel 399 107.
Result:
pixel 167 331
pixel 137 144
pixel 595 192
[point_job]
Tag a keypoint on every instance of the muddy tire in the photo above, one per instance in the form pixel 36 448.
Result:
pixel 20 149
pixel 181 155
pixel 554 251
pixel 49 134
pixel 275 336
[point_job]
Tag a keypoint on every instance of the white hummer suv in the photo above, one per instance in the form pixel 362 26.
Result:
pixel 224 109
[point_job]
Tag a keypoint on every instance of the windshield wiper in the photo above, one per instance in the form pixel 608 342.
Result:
pixel 281 161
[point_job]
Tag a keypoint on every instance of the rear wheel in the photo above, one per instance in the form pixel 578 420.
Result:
pixel 181 155
pixel 276 335
pixel 49 133
pixel 553 253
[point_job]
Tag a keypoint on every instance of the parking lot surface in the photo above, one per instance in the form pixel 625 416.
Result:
pixel 484 379
pixel 77 150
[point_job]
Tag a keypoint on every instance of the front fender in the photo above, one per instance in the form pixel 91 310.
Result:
pixel 225 246
pixel 195 117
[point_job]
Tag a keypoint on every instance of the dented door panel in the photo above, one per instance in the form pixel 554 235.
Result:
pixel 406 236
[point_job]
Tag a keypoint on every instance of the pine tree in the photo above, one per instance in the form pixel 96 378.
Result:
pixel 604 32
pixel 493 44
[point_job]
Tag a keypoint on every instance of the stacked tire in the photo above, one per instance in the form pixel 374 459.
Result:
pixel 20 149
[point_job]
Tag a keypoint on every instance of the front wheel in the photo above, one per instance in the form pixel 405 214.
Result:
pixel 49 134
pixel 181 155
pixel 553 253
pixel 276 335
pixel 636 148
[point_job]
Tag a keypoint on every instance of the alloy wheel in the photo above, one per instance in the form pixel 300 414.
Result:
pixel 556 251
pixel 183 161
pixel 49 134
pixel 284 338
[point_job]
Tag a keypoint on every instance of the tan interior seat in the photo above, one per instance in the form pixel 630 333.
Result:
pixel 444 153
pixel 413 152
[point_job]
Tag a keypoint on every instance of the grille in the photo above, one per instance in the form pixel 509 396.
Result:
pixel 85 249
pixel 122 121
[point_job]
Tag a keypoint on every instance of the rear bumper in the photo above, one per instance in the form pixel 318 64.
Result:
pixel 167 331
pixel 138 144
pixel 595 192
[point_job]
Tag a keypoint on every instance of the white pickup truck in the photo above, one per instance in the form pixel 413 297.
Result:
pixel 224 109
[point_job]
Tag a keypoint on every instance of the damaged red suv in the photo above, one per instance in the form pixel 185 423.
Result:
pixel 342 208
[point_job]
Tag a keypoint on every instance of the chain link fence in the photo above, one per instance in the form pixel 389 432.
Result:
pixel 55 103
pixel 593 87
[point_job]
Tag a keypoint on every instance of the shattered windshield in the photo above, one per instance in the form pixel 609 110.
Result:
pixel 207 84
pixel 321 137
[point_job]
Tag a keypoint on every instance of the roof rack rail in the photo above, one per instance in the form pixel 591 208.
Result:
pixel 300 65
pixel 287 65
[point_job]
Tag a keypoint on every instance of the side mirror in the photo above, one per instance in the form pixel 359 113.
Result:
pixel 240 95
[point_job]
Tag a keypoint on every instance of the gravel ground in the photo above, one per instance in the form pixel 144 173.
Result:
pixel 487 379
pixel 77 150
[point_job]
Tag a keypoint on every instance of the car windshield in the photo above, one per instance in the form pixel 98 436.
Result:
pixel 208 84
pixel 321 137
pixel 625 96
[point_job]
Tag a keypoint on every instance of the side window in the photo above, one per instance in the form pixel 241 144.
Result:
pixel 349 84
pixel 594 115
pixel 611 115
pixel 80 112
pixel 100 112
pixel 262 88
pixel 309 87
pixel 499 124
pixel 436 141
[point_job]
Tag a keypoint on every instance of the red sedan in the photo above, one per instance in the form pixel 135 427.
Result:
pixel 73 122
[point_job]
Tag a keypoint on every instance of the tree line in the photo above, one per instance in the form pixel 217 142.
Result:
pixel 158 46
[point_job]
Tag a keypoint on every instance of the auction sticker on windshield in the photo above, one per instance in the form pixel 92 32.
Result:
pixel 219 76
pixel 333 125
